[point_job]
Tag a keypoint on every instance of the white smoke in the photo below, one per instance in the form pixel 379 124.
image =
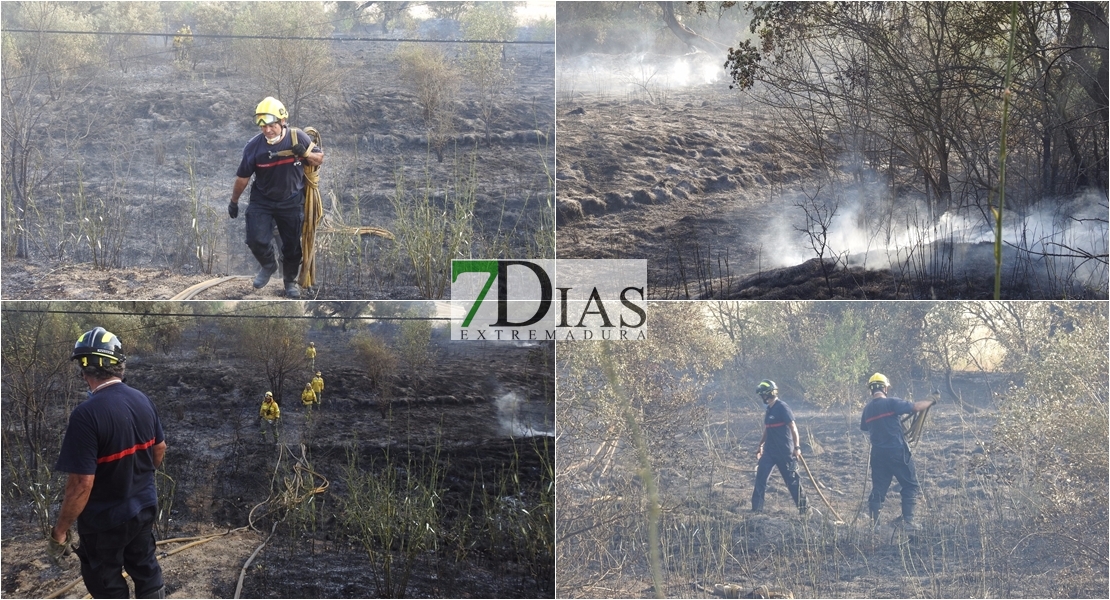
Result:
pixel 636 73
pixel 1049 239
pixel 513 420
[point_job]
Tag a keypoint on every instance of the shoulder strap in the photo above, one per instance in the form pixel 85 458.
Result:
pixel 296 140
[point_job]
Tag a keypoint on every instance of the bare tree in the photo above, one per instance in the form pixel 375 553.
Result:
pixel 486 66
pixel 918 84
pixel 41 72
pixel 39 388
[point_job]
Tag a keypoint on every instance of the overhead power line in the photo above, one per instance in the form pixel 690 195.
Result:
pixel 275 37
pixel 218 315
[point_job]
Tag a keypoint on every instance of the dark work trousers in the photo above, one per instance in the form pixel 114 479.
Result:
pixel 105 554
pixel 261 218
pixel 788 468
pixel 885 464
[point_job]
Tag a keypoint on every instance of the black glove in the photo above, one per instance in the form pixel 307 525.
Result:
pixel 233 209
pixel 300 150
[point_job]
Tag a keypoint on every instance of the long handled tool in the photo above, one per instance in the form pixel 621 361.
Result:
pixel 818 488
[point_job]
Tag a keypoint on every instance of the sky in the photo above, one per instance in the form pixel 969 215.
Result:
pixel 529 12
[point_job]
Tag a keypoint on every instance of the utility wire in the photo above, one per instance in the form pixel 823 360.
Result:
pixel 276 37
pixel 209 45
pixel 183 317
pixel 219 315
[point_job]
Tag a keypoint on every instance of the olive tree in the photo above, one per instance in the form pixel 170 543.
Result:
pixel 624 409
pixel 290 68
pixel 429 74
pixel 273 337
pixel 1052 434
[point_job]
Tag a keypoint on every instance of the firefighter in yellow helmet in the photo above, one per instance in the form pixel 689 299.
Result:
pixel 890 454
pixel 310 354
pixel 277 196
pixel 308 396
pixel 270 414
pixel 318 386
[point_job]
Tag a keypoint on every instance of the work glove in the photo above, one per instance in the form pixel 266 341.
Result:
pixel 233 209
pixel 300 150
pixel 58 550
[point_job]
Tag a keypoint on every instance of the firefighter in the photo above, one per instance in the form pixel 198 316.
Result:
pixel 277 196
pixel 318 386
pixel 308 396
pixel 310 354
pixel 270 413
pixel 112 445
pixel 890 454
pixel 779 447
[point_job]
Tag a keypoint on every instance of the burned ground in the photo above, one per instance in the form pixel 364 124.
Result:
pixel 161 147
pixel 980 537
pixel 705 183
pixel 452 419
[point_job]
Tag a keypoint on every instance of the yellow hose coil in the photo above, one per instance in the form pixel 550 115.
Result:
pixel 313 212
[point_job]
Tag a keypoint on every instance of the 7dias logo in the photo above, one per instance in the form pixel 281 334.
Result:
pixel 544 300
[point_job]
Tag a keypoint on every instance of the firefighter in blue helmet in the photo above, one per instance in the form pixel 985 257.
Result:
pixel 112 445
pixel 779 447
pixel 890 454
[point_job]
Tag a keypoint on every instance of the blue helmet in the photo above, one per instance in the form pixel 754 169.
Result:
pixel 98 347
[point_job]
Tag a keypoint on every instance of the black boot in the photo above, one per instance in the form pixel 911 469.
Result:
pixel 291 290
pixel 263 276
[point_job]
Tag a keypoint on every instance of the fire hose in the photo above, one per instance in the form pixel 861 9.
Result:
pixel 818 488
pixel 913 424
pixel 313 212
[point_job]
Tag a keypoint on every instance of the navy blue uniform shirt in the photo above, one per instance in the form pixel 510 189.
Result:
pixel 279 180
pixel 880 419
pixel 111 435
pixel 780 439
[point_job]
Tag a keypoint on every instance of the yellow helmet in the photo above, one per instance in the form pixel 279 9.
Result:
pixel 317 373
pixel 878 381
pixel 270 110
pixel 269 394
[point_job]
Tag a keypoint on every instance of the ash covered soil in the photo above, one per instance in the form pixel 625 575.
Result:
pixel 974 540
pixel 160 158
pixel 470 415
pixel 702 182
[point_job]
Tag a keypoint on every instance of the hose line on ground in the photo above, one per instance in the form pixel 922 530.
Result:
pixel 818 488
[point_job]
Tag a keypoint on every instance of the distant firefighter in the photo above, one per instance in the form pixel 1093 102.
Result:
pixel 308 396
pixel 310 354
pixel 270 414
pixel 318 386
